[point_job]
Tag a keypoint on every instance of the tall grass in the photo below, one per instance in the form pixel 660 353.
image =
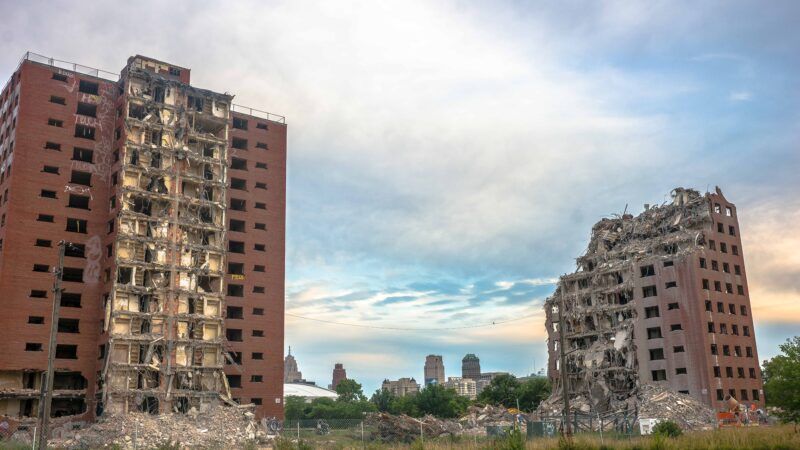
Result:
pixel 757 438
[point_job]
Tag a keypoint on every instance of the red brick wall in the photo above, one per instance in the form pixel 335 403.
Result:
pixel 270 368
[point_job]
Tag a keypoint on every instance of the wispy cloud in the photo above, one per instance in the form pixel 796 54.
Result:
pixel 741 96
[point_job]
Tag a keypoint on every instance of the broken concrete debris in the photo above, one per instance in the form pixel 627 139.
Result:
pixel 211 427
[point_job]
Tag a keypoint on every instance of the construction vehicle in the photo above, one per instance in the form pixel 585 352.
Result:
pixel 738 415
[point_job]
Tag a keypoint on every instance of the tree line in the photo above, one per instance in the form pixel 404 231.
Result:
pixel 504 390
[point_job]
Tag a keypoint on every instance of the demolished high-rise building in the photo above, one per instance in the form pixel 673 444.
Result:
pixel 660 298
pixel 173 276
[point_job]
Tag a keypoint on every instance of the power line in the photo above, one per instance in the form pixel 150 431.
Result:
pixel 378 327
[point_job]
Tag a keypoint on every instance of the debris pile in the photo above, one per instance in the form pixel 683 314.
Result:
pixel 657 402
pixel 403 428
pixel 214 427
pixel 478 417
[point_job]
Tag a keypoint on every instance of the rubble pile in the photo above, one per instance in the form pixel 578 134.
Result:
pixel 657 402
pixel 214 427
pixel 403 428
pixel 478 417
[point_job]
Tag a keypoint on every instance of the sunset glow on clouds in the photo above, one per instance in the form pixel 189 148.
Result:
pixel 448 159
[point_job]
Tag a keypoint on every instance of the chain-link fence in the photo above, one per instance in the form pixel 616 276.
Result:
pixel 339 431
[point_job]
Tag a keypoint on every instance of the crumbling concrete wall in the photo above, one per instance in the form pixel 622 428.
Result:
pixel 597 305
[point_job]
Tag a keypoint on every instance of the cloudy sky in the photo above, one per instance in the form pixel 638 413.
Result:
pixel 447 159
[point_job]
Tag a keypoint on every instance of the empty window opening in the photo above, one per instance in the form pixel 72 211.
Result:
pixel 78 201
pixel 65 351
pixel 654 333
pixel 86 109
pixel 69 381
pixel 41 268
pixel 76 225
pixel 233 335
pixel 671 284
pixel 70 300
pixel 235 247
pixel 238 184
pixel 52 146
pixel 714 349
pixel 72 274
pixel 258 268
pixel 33 347
pixel 237 225
pixel 675 327
pixel 731 230
pixel 678 349
pixel 235 312
pixel 48 194
pixel 58 100
pixel 672 306
pixel 36 320
pixel 651 311
pixel 261 185
pixel 235 290
pixel 261 165
pixel 259 247
pixel 260 226
pixel 238 204
pixel 45 218
pixel 87 87
pixel 239 143
pixel 656 354
pixel 647 271
pixel 235 268
pixel 649 291
pixel 260 205
pixel 260 312
pixel 75 250
pixel 238 164
pixel 55 123
pixel 261 145
pixel 659 375
pixel 68 326
pixel 258 333
pixel 261 126
pixel 239 124
pixel 256 378
pixel 50 169
pixel 37 293
pixel 59 77
pixel 44 243
pixel 680 371
pixel 124 275
pixel 82 154
pixel 258 289
pixel 84 132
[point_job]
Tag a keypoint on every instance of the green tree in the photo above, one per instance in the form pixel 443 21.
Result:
pixel 532 392
pixel 406 404
pixel 503 390
pixel 296 408
pixel 350 391
pixel 782 381
pixel 382 399
pixel 440 402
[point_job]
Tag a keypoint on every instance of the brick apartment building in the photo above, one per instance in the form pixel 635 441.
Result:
pixel 658 298
pixel 173 201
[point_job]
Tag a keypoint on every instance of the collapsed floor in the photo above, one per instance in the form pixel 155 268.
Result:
pixel 596 309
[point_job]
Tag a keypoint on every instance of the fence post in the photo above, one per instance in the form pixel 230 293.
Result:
pixel 362 435
pixel 298 432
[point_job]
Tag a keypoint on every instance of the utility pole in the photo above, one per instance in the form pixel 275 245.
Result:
pixel 566 429
pixel 46 396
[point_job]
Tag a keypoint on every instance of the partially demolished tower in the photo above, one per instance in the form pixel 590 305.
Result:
pixel 164 316
pixel 173 201
pixel 657 298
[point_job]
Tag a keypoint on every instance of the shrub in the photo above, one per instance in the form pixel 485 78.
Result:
pixel 667 428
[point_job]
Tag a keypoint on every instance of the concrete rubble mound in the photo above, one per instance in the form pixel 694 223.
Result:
pixel 658 402
pixel 403 428
pixel 214 427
